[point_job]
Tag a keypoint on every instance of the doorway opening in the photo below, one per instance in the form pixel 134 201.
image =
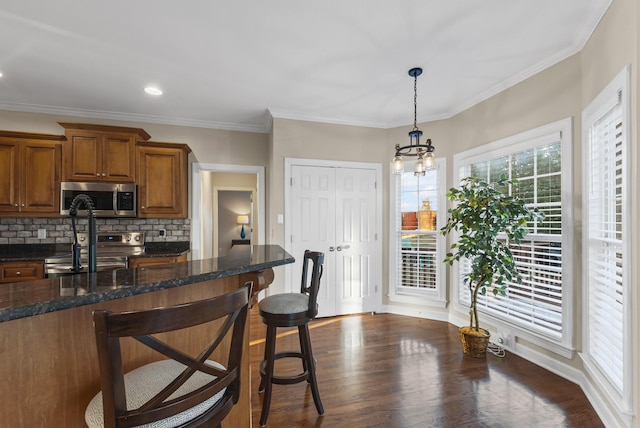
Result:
pixel 208 180
pixel 234 212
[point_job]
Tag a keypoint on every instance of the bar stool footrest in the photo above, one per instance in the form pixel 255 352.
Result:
pixel 286 380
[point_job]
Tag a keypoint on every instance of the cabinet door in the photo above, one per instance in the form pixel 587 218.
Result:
pixel 118 158
pixel 21 271
pixel 162 185
pixel 41 177
pixel 9 177
pixel 82 160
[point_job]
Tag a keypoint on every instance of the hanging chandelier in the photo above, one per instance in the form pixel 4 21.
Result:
pixel 424 152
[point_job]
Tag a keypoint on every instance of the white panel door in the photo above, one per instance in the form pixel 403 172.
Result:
pixel 355 249
pixel 313 225
pixel 334 211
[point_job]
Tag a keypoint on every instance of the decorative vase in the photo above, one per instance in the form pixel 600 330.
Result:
pixel 474 343
pixel 242 234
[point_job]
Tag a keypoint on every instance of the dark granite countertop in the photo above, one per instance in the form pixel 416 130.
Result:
pixel 32 252
pixel 25 299
pixel 39 252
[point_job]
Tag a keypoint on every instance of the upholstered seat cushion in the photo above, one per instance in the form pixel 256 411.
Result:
pixel 287 303
pixel 144 382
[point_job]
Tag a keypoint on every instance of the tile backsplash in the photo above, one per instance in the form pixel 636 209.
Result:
pixel 58 230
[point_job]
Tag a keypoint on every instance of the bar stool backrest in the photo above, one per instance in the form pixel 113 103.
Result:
pixel 311 284
pixel 230 308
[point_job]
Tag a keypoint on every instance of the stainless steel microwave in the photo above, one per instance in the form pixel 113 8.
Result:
pixel 109 199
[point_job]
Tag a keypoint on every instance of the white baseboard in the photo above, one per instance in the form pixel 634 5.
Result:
pixel 416 312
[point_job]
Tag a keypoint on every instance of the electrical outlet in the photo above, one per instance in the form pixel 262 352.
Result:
pixel 503 339
pixel 507 340
pixel 162 232
pixel 42 233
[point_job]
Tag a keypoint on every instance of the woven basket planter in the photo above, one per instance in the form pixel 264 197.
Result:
pixel 474 343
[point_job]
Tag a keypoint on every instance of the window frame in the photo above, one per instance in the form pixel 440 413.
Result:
pixel 596 110
pixel 564 345
pixel 430 297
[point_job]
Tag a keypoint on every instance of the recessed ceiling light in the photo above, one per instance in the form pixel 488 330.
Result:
pixel 0 73
pixel 153 91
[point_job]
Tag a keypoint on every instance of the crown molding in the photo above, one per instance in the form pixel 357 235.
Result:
pixel 130 117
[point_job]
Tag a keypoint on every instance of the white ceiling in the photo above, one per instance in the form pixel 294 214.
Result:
pixel 227 64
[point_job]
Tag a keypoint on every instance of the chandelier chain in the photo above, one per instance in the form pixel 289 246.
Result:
pixel 415 102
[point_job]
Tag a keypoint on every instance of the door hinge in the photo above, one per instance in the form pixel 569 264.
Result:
pixel 375 236
pixel 291 182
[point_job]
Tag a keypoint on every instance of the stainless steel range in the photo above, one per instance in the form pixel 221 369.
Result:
pixel 112 252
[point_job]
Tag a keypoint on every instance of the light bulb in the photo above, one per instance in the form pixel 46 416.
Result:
pixel 398 165
pixel 419 167
pixel 429 161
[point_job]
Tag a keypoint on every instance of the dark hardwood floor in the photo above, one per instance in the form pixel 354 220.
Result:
pixel 396 371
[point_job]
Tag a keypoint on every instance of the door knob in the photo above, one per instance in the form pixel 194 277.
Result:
pixel 339 248
pixel 331 248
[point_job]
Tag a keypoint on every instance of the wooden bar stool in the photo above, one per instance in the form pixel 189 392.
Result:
pixel 288 310
pixel 180 390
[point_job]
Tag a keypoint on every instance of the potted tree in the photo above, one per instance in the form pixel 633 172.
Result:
pixel 488 221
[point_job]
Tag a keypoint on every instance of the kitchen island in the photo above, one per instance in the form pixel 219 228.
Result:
pixel 48 362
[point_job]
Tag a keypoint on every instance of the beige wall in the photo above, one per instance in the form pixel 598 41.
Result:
pixel 207 145
pixel 547 97
pixel 213 146
pixel 313 140
pixel 561 91
pixel 615 44
pixel 558 92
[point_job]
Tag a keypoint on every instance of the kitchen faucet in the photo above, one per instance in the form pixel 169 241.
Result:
pixel 85 200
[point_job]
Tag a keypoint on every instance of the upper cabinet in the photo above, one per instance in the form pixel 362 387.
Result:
pixel 30 172
pixel 100 153
pixel 162 180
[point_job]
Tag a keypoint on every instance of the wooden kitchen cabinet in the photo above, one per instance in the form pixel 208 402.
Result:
pixel 100 153
pixel 162 180
pixel 137 262
pixel 21 271
pixel 30 171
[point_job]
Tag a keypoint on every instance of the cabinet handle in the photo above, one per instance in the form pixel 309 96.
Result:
pixel 15 205
pixel 97 174
pixel 18 273
pixel 22 205
pixel 104 175
pixel 142 207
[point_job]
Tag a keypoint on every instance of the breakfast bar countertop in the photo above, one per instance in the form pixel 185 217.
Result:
pixel 25 299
